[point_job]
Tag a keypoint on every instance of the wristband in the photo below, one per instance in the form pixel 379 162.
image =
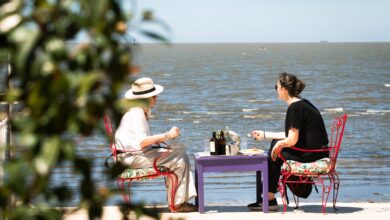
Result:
pixel 264 135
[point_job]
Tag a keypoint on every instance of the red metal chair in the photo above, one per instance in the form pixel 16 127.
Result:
pixel 130 175
pixel 316 172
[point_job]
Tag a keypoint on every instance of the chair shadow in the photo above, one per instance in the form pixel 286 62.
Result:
pixel 208 209
pixel 302 208
pixel 212 209
pixel 318 209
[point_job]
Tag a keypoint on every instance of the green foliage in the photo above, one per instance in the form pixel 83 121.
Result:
pixel 64 90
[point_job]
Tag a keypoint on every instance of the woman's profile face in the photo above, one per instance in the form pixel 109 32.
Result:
pixel 282 92
pixel 278 89
pixel 153 101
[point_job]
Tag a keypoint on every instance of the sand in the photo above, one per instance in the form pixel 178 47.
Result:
pixel 310 211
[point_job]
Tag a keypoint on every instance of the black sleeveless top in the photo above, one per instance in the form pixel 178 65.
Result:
pixel 305 117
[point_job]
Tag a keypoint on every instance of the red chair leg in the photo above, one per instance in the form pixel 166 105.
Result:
pixel 121 186
pixel 171 193
pixel 336 184
pixel 171 204
pixel 174 181
pixel 128 191
pixel 283 191
pixel 323 199
pixel 325 194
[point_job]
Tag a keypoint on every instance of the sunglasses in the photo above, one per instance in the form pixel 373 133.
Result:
pixel 281 85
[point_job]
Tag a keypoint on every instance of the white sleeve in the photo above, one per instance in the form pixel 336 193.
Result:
pixel 133 129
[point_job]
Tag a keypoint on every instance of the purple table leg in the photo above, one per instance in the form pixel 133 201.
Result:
pixel 265 186
pixel 196 185
pixel 200 186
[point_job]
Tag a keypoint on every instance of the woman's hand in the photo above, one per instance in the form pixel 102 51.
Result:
pixel 174 132
pixel 258 135
pixel 275 151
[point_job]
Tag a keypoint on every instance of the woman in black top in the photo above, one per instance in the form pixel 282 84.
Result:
pixel 304 128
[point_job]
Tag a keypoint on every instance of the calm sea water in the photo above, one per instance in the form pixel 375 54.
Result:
pixel 210 86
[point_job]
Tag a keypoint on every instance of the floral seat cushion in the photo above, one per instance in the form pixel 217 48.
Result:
pixel 320 166
pixel 141 173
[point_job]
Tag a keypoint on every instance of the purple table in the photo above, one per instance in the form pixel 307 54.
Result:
pixel 206 164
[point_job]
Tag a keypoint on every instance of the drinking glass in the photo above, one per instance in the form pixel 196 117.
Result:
pixel 244 143
pixel 206 145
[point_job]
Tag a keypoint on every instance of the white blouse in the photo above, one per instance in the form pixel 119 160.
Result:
pixel 132 130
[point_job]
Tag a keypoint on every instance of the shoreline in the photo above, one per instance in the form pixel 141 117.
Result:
pixel 310 211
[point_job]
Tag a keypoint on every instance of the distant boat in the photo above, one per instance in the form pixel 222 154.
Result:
pixel 324 41
pixel 261 48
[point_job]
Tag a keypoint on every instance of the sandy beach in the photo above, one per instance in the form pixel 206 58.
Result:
pixel 310 211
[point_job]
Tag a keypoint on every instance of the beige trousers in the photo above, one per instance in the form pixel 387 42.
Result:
pixel 176 161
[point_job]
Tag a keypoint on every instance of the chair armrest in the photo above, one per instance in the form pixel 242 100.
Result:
pixel 162 145
pixel 116 151
pixel 310 150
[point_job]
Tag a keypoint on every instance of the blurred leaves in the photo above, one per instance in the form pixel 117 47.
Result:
pixel 139 210
pixel 48 155
pixel 40 211
pixel 154 36
pixel 9 22
pixel 147 15
pixel 63 89
pixel 151 24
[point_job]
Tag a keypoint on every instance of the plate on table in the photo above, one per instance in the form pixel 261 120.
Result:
pixel 251 151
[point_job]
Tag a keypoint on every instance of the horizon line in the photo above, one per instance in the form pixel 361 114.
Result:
pixel 254 42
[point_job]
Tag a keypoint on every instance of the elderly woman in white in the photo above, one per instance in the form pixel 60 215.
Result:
pixel 134 136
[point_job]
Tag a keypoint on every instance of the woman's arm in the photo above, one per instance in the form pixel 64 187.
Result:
pixel 158 138
pixel 291 140
pixel 266 135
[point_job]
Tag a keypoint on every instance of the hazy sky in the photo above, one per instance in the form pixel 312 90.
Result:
pixel 273 20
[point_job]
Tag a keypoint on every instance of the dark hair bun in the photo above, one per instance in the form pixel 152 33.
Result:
pixel 291 83
pixel 299 87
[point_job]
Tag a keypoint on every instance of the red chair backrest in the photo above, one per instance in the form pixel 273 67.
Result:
pixel 110 134
pixel 336 138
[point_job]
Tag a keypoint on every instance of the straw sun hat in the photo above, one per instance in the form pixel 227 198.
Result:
pixel 143 88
